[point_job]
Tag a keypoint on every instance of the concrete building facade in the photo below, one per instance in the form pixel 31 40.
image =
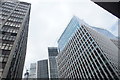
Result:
pixel 14 22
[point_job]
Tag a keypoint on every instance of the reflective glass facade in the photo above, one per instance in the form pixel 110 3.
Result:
pixel 52 52
pixel 13 37
pixel 69 31
pixel 87 54
pixel 42 69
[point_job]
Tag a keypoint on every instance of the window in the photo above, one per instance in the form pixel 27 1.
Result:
pixel 98 50
pixel 90 39
pixel 87 34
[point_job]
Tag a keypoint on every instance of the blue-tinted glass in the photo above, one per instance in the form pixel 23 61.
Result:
pixel 69 31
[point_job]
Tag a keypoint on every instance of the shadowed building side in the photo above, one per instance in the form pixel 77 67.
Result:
pixel 14 31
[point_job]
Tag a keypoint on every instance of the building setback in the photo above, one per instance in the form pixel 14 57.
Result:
pixel 85 53
pixel 52 53
pixel 42 69
pixel 14 24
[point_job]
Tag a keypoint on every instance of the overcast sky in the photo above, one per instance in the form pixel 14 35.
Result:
pixel 49 18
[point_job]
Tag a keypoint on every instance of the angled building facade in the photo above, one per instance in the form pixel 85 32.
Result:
pixel 14 24
pixel 85 53
pixel 52 53
pixel 42 69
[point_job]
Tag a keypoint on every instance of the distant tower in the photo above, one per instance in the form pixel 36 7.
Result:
pixel 42 69
pixel 52 53
pixel 32 70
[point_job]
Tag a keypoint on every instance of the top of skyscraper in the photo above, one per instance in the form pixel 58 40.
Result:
pixel 52 51
pixel 70 29
pixel 74 24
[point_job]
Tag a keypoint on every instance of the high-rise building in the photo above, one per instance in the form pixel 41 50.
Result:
pixel 52 53
pixel 14 22
pixel 33 70
pixel 42 69
pixel 85 53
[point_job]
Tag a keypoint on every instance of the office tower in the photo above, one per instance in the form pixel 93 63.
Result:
pixel 32 70
pixel 52 53
pixel 13 37
pixel 42 69
pixel 85 53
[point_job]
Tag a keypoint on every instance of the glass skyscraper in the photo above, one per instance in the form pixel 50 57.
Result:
pixel 14 22
pixel 42 69
pixel 86 53
pixel 52 53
